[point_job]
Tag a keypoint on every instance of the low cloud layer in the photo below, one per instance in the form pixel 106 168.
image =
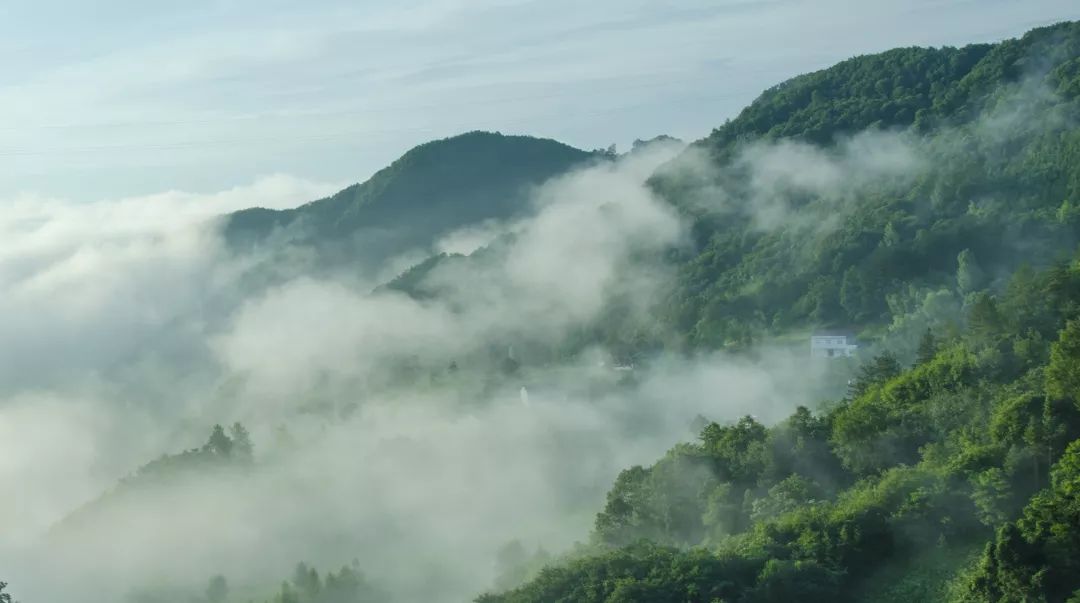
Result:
pixel 391 457
pixel 87 286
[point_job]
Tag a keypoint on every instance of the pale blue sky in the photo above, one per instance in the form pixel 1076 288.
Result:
pixel 110 98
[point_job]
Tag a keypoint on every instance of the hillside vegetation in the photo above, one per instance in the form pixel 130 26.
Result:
pixel 950 471
pixel 845 197
pixel 958 474
pixel 928 199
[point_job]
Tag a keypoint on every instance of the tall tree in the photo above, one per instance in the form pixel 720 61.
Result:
pixel 219 443
pixel 243 449
pixel 306 580
pixel 927 347
pixel 969 275
pixel 1063 372
pixel 883 367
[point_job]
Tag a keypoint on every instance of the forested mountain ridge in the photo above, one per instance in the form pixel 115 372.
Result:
pixel 887 186
pixel 429 191
pixel 953 479
pixel 921 87
pixel 925 196
pixel 846 196
pixel 949 474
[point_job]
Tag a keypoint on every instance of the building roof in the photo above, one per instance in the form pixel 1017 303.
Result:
pixel 850 334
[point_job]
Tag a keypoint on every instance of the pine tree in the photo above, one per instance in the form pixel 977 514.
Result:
pixel 879 370
pixel 306 580
pixel 969 275
pixel 219 443
pixel 243 449
pixel 984 318
pixel 1063 371
pixel 927 348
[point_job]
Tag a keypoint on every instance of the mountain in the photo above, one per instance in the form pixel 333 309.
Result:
pixel 428 192
pixel 926 192
pixel 841 198
pixel 862 195
pixel 926 197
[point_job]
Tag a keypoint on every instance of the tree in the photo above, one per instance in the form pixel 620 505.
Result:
pixel 855 294
pixel 984 318
pixel 217 591
pixel 5 597
pixel 992 495
pixel 306 580
pixel 243 449
pixel 790 494
pixel 510 565
pixel 927 348
pixel 1037 558
pixel 627 515
pixel 219 443
pixel 737 451
pixel 890 237
pixel 883 367
pixel 969 276
pixel 804 581
pixel 1063 372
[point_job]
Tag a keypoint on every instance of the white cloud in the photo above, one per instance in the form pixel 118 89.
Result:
pixel 125 354
pixel 86 284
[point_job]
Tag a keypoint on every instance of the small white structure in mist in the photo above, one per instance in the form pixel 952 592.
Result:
pixel 832 345
pixel 524 396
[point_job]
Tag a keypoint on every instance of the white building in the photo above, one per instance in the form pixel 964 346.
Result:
pixel 832 345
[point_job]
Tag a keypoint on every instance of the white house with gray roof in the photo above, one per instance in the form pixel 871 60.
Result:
pixel 833 345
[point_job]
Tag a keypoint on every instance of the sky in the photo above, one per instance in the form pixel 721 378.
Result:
pixel 124 98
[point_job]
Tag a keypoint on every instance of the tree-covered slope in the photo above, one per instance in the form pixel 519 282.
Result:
pixel 855 195
pixel 925 87
pixel 920 191
pixel 841 196
pixel 222 452
pixel 953 479
pixel 431 190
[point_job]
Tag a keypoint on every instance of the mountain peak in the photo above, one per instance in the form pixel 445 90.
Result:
pixel 431 190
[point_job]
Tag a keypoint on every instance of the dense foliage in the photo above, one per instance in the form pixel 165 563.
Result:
pixel 949 167
pixel 951 471
pixel 976 443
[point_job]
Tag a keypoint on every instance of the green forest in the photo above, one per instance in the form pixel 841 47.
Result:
pixel 995 128
pixel 955 478
pixel 949 471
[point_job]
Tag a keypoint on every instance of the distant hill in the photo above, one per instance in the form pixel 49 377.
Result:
pixel 430 191
pixel 857 238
